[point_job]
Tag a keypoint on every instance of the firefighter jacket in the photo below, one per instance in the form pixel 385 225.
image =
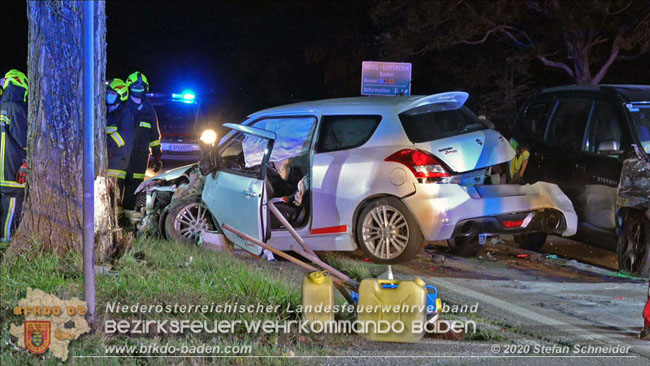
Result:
pixel 13 137
pixel 148 132
pixel 121 131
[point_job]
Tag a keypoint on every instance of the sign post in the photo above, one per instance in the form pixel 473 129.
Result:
pixel 88 33
pixel 385 78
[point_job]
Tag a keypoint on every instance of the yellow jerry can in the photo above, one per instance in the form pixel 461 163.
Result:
pixel 392 310
pixel 318 297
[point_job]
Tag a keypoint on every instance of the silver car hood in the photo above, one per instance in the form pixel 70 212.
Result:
pixel 173 173
pixel 470 151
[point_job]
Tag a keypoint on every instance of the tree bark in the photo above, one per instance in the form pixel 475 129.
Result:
pixel 52 214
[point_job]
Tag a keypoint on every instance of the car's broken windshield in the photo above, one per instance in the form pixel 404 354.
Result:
pixel 434 125
pixel 641 116
pixel 293 138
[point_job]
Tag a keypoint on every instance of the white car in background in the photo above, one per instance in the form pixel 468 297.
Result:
pixel 383 174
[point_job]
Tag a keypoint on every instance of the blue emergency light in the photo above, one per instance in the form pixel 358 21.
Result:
pixel 187 96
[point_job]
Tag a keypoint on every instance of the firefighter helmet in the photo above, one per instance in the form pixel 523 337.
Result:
pixel 137 78
pixel 17 78
pixel 119 87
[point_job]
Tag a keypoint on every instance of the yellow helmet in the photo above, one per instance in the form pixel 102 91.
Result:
pixel 17 78
pixel 137 77
pixel 119 87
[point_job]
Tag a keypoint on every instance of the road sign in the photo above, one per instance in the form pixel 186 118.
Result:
pixel 385 78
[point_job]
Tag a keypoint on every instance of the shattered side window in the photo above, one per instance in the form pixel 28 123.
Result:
pixel 293 138
pixel 236 155
pixel 641 117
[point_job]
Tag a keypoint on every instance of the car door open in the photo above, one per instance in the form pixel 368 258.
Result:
pixel 236 194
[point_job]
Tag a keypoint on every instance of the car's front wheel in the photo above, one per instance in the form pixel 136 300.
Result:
pixel 387 232
pixel 633 247
pixel 186 220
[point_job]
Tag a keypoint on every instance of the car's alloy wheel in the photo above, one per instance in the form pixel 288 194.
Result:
pixel 387 232
pixel 186 220
pixel 633 245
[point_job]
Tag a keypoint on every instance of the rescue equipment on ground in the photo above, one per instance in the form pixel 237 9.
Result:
pixel 393 301
pixel 409 302
pixel 318 297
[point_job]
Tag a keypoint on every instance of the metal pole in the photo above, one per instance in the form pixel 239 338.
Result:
pixel 88 33
pixel 345 281
pixel 274 210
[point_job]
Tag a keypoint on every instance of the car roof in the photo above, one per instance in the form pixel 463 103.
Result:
pixel 326 105
pixel 630 93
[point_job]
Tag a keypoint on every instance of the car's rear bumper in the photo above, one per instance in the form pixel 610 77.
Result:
pixel 447 210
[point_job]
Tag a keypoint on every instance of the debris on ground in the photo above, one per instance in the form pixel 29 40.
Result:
pixel 104 271
pixel 213 241
pixel 139 256
pixel 268 255
pixel 490 257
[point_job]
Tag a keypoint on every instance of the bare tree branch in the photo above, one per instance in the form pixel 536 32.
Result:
pixel 612 57
pixel 619 10
pixel 482 40
pixel 598 40
pixel 643 50
pixel 556 64
pixel 506 30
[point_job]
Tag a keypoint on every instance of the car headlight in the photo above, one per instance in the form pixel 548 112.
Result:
pixel 209 137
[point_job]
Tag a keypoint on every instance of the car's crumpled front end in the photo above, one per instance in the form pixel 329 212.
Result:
pixel 160 191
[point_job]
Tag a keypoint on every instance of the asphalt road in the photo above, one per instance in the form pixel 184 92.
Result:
pixel 567 297
pixel 539 304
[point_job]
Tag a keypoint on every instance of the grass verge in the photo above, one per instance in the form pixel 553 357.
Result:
pixel 156 272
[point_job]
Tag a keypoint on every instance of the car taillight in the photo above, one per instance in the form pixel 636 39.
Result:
pixel 512 223
pixel 422 164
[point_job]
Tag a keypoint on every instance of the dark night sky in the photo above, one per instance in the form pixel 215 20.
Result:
pixel 253 55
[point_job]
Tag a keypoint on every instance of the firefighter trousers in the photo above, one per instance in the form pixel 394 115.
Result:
pixel 12 207
pixel 135 174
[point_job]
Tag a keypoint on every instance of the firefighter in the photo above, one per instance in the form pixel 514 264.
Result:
pixel 147 137
pixel 13 149
pixel 120 128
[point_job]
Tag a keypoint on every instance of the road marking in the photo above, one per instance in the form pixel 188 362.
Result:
pixel 531 315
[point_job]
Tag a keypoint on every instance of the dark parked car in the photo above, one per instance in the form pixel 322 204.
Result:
pixel 580 137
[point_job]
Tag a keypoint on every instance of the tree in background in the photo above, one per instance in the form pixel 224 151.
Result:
pixel 52 213
pixel 501 51
pixel 581 38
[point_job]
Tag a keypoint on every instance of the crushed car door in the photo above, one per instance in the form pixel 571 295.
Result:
pixel 236 193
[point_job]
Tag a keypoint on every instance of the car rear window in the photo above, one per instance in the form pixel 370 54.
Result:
pixel 429 126
pixel 346 132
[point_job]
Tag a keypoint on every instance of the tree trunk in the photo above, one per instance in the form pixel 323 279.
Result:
pixel 578 51
pixel 52 214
